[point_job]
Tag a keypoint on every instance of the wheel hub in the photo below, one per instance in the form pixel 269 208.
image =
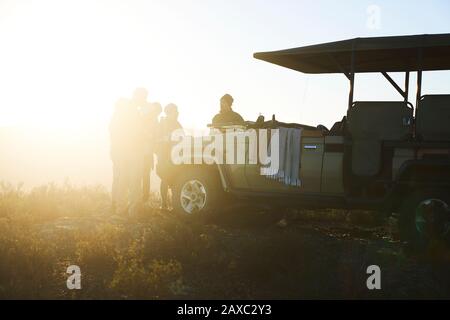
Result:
pixel 433 218
pixel 193 196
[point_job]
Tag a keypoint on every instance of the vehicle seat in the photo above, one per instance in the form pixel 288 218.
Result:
pixel 369 124
pixel 433 118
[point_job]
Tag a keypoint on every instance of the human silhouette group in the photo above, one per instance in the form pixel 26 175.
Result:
pixel 139 133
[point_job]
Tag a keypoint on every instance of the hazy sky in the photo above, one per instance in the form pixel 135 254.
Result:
pixel 64 63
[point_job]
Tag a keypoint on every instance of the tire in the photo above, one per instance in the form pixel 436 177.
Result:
pixel 425 219
pixel 196 192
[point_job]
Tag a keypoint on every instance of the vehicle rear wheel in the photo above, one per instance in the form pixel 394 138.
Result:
pixel 196 192
pixel 425 219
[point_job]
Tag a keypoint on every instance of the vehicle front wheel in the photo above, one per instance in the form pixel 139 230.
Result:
pixel 196 192
pixel 425 219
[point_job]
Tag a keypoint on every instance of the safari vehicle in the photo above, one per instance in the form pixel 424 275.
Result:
pixel 389 156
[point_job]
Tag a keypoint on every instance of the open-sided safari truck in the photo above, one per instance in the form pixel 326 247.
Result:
pixel 390 156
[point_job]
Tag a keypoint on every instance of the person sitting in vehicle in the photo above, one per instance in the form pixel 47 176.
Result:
pixel 227 116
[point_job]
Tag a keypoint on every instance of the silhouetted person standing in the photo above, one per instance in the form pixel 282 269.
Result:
pixel 127 152
pixel 137 143
pixel 165 167
pixel 151 124
pixel 227 116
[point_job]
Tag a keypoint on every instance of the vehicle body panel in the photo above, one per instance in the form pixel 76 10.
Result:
pixel 384 150
pixel 333 166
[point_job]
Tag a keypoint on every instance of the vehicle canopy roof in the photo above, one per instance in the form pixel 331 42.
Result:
pixel 377 54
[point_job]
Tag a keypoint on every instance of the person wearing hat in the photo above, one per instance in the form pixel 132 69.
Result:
pixel 164 167
pixel 227 116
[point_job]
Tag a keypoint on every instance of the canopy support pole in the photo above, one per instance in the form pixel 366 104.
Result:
pixel 352 87
pixel 395 85
pixel 419 87
pixel 351 77
pixel 419 76
pixel 406 86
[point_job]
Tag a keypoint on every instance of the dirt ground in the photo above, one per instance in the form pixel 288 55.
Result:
pixel 323 255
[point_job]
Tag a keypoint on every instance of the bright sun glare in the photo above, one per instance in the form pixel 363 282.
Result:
pixel 69 63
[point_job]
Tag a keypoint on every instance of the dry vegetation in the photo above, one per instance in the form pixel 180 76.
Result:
pixel 317 255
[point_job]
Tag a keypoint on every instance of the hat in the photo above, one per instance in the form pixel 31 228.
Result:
pixel 227 98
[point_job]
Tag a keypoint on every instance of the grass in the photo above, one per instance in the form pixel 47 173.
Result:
pixel 162 256
pixel 46 230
